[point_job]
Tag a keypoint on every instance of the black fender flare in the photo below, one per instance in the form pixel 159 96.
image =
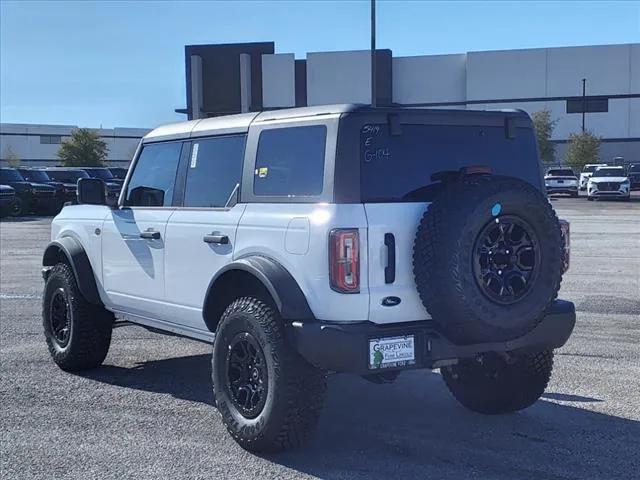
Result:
pixel 283 288
pixel 70 249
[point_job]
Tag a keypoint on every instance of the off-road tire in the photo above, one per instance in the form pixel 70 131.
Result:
pixel 295 389
pixel 514 387
pixel 443 258
pixel 17 209
pixel 90 325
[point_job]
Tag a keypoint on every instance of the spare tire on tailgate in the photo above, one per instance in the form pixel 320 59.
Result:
pixel 487 258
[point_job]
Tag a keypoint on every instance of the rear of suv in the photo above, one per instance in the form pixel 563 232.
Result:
pixel 326 239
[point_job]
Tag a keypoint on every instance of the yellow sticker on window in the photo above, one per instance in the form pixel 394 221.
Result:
pixel 263 172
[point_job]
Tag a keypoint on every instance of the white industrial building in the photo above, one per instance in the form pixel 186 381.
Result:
pixel 532 80
pixel 37 145
pixel 232 78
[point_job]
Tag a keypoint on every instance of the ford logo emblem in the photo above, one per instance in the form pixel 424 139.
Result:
pixel 390 301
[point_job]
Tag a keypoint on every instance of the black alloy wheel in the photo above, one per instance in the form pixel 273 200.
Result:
pixel 506 259
pixel 247 377
pixel 60 317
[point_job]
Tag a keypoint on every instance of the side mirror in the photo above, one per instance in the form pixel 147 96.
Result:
pixel 92 191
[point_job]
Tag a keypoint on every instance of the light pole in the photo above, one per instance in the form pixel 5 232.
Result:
pixel 373 53
pixel 584 101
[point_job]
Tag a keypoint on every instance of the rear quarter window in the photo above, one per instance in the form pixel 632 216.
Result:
pixel 394 168
pixel 290 161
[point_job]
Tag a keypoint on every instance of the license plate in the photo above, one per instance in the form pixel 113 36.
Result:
pixel 391 352
pixel 560 181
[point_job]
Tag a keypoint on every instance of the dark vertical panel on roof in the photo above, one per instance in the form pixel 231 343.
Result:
pixel 301 83
pixel 384 77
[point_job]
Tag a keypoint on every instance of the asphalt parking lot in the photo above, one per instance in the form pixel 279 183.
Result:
pixel 148 414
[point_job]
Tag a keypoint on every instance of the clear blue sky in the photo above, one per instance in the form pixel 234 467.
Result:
pixel 122 63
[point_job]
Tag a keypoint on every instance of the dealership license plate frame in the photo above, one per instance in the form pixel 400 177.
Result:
pixel 400 352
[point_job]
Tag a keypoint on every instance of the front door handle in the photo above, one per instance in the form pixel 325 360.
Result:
pixel 150 234
pixel 216 238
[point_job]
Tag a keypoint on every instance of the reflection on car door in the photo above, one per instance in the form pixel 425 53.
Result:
pixel 133 238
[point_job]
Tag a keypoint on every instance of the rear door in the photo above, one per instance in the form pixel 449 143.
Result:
pixel 201 234
pixel 396 189
pixel 133 236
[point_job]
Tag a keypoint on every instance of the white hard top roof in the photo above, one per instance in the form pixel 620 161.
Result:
pixel 238 123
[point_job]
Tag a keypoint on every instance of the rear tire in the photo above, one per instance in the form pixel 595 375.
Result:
pixel 78 333
pixel 491 385
pixel 277 402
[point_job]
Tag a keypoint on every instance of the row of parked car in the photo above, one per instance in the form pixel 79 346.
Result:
pixel 45 190
pixel 599 180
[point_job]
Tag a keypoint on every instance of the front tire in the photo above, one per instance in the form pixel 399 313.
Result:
pixel 78 333
pixel 492 384
pixel 269 397
pixel 17 209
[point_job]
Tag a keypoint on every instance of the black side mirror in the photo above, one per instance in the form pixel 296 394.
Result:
pixel 92 191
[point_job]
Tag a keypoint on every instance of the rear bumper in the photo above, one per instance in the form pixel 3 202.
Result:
pixel 568 189
pixel 345 347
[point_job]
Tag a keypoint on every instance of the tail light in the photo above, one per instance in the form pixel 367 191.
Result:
pixel 344 260
pixel 566 236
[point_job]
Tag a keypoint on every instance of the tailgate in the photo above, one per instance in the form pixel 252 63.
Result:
pixel 400 220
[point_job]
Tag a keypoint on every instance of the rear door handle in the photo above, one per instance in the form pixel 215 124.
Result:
pixel 150 234
pixel 216 238
pixel 390 269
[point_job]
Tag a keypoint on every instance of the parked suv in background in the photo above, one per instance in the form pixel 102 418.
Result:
pixel 561 180
pixel 113 184
pixel 587 171
pixel 118 173
pixel 633 172
pixel 40 176
pixel 69 178
pixel 609 182
pixel 325 239
pixel 30 196
pixel 7 200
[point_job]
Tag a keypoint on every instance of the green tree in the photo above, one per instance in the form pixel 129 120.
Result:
pixel 544 126
pixel 83 149
pixel 584 147
pixel 12 158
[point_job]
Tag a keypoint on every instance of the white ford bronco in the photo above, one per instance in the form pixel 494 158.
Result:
pixel 307 241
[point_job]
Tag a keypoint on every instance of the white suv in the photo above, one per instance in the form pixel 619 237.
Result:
pixel 586 173
pixel 611 182
pixel 326 239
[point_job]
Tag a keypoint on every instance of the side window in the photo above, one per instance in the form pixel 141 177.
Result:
pixel 290 161
pixel 154 176
pixel 214 171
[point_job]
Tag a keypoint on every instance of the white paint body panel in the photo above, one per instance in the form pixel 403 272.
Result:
pixel 263 231
pixel 80 222
pixel 401 220
pixel 133 267
pixel 190 263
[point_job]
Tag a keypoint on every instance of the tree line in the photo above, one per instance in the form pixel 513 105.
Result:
pixel 583 147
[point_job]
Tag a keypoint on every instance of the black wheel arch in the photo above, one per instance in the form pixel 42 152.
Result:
pixel 260 276
pixel 69 250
